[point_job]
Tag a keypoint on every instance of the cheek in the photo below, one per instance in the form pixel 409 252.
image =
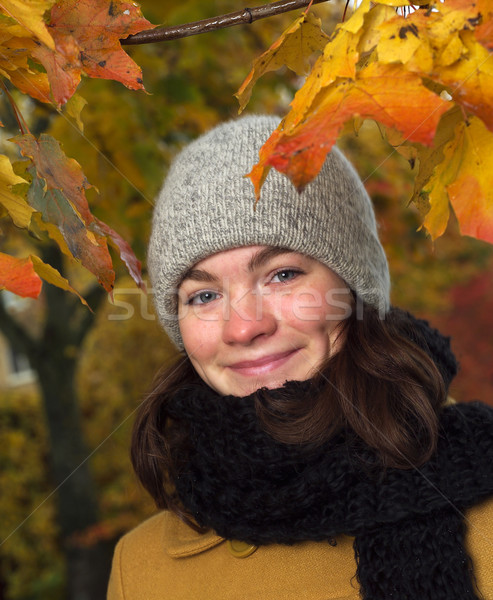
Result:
pixel 200 338
pixel 306 310
pixel 315 311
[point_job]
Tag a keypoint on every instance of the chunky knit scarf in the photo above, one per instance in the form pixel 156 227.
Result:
pixel 408 525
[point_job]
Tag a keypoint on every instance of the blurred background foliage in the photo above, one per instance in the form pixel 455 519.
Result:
pixel 129 139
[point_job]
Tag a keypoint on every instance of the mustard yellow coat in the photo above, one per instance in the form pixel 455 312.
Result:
pixel 163 559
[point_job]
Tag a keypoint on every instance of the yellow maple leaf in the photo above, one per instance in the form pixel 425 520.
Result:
pixel 17 207
pixel 465 177
pixel 470 79
pixel 438 168
pixel 51 275
pixel 471 194
pixel 370 34
pixel 29 14
pixel 293 49
pixel 74 107
pixel 15 53
pixel 441 46
pixel 339 60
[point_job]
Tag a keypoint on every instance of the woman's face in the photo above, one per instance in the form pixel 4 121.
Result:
pixel 259 316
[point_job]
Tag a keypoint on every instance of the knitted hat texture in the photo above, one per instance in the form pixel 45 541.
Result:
pixel 206 205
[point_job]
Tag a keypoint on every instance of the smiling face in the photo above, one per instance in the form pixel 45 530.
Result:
pixel 259 316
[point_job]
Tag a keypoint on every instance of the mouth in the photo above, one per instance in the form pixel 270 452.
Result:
pixel 262 365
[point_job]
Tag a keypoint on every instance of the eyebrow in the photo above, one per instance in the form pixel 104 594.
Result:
pixel 259 259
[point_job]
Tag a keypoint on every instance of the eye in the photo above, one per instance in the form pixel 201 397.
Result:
pixel 203 298
pixel 285 275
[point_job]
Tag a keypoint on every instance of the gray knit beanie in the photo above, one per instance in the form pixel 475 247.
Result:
pixel 206 206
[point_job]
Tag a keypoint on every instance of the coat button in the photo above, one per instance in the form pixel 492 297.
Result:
pixel 241 549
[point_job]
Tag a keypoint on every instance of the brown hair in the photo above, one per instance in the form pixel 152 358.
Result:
pixel 381 386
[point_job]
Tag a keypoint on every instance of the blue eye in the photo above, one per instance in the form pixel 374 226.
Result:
pixel 203 298
pixel 286 274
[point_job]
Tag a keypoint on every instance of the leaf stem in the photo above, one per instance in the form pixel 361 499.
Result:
pixel 246 15
pixel 17 113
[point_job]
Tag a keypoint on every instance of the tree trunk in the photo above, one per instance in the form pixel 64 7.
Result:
pixel 54 358
pixel 66 324
pixel 77 504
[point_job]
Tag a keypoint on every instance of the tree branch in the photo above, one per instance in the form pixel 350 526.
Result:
pixel 246 15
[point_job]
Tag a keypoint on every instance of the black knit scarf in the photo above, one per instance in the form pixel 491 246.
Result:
pixel 408 524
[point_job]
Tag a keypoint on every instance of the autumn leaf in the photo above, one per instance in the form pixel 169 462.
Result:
pixel 462 173
pixel 17 275
pixel 59 171
pixel 405 72
pixel 55 208
pixel 126 253
pixel 22 276
pixel 87 35
pixel 37 223
pixel 57 191
pixel 424 159
pixel 380 92
pixel 293 49
pixel 338 60
pixel 17 207
pixel 471 194
pixel 440 45
pixel 29 14
pixel 63 68
pixel 437 168
pixel 74 107
pixel 15 53
pixel 484 31
pixel 470 80
pixel 51 275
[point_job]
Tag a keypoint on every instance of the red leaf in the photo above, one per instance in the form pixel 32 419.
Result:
pixel 17 275
pixel 126 253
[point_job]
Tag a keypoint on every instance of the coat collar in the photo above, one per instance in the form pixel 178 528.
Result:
pixel 180 540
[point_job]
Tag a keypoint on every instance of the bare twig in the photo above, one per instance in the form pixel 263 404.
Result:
pixel 17 113
pixel 246 15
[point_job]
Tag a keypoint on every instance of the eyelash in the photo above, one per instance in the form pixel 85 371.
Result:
pixel 286 270
pixel 195 296
pixel 278 272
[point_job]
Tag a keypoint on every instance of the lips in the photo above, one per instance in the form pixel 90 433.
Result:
pixel 263 364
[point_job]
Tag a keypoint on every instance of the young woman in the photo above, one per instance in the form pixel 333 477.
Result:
pixel 303 447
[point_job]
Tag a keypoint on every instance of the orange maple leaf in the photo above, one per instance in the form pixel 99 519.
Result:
pixel 17 275
pixel 471 194
pixel 484 31
pixel 380 92
pixel 87 36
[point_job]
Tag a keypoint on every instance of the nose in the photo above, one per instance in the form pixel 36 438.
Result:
pixel 249 318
